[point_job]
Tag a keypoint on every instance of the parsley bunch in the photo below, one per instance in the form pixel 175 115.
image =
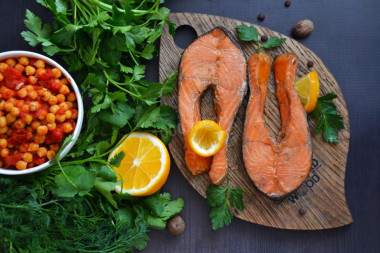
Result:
pixel 249 33
pixel 221 200
pixel 327 118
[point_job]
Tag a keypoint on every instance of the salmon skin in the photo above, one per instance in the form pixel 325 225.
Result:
pixel 276 167
pixel 213 60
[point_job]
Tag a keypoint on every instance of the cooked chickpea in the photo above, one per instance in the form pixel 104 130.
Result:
pixel 3 130
pixel 50 117
pixel 27 157
pixel 67 128
pixel 3 121
pixel 4 143
pixel 64 106
pixel 61 98
pixel 34 106
pixel 60 118
pixel 25 108
pixel 64 81
pixel 29 70
pixel 11 62
pixel 51 126
pixel 41 151
pixel 64 89
pixel 50 154
pixel 40 72
pixel 10 118
pixel 4 66
pixel 40 63
pixel 54 108
pixel 42 130
pixel 53 100
pixel 19 103
pixel 32 94
pixel 8 93
pixel 23 60
pixel 57 72
pixel 39 138
pixel 15 111
pixel 1 77
pixel 75 113
pixel 20 67
pixel 46 95
pixel 4 152
pixel 23 148
pixel 19 124
pixel 32 80
pixel 54 147
pixel 28 119
pixel 8 106
pixel 35 124
pixel 68 114
pixel 33 147
pixel 29 87
pixel 21 165
pixel 22 93
pixel 42 114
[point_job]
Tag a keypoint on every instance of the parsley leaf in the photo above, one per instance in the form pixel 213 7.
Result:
pixel 220 200
pixel 273 42
pixel 327 118
pixel 116 160
pixel 247 33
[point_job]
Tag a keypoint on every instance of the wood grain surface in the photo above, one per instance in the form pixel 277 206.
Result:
pixel 322 193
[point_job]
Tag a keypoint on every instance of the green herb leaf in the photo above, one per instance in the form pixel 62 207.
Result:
pixel 220 216
pixel 247 33
pixel 215 196
pixel 273 42
pixel 236 199
pixel 116 160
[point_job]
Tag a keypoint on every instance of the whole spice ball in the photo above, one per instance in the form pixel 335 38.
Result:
pixel 310 64
pixel 288 3
pixel 264 38
pixel 261 17
pixel 303 28
pixel 302 210
pixel 176 225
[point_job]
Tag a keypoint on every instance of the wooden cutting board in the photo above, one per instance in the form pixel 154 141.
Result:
pixel 322 193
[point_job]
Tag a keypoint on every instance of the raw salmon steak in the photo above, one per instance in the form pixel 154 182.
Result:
pixel 277 167
pixel 213 60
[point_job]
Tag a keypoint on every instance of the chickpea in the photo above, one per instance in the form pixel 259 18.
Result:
pixel 3 130
pixel 8 93
pixel 10 118
pixel 19 103
pixel 34 106
pixel 50 117
pixel 22 93
pixel 46 95
pixel 60 118
pixel 67 128
pixel 75 114
pixel 42 151
pixel 61 98
pixel 68 114
pixel 19 124
pixel 54 108
pixel 23 148
pixel 32 94
pixel 3 121
pixel 4 143
pixel 3 66
pixel 57 72
pixel 64 89
pixel 54 147
pixel 33 147
pixel 35 124
pixel 15 111
pixel 32 80
pixel 11 62
pixel 50 154
pixel 21 165
pixel 23 60
pixel 40 63
pixel 27 157
pixel 69 105
pixel 4 152
pixel 40 72
pixel 1 77
pixel 2 102
pixel 51 126
pixel 28 119
pixel 64 106
pixel 42 114
pixel 25 108
pixel 64 81
pixel 29 87
pixel 29 70
pixel 20 67
pixel 39 138
pixel 8 106
pixel 53 100
pixel 42 130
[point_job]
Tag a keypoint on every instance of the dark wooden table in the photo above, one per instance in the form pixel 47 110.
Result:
pixel 346 37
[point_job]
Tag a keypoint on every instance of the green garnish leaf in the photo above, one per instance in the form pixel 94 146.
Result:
pixel 116 160
pixel 273 42
pixel 220 200
pixel 247 33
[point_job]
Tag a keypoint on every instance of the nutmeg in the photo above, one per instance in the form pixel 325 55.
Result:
pixel 176 225
pixel 303 28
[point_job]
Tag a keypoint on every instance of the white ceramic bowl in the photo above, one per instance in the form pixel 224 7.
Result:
pixel 79 121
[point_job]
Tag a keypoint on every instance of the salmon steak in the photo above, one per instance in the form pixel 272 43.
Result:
pixel 277 167
pixel 213 60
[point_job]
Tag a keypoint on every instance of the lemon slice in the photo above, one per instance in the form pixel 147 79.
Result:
pixel 307 88
pixel 145 166
pixel 206 138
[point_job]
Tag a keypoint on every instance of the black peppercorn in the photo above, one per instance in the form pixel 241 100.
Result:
pixel 261 17
pixel 310 64
pixel 287 3
pixel 302 210
pixel 264 38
